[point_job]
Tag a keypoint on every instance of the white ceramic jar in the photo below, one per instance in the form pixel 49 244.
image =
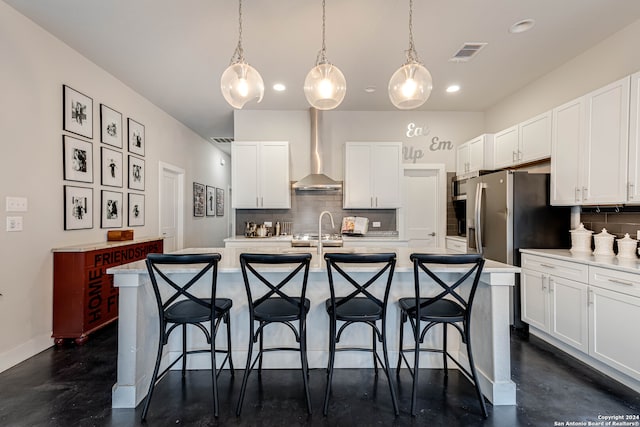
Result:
pixel 581 239
pixel 627 247
pixel 603 243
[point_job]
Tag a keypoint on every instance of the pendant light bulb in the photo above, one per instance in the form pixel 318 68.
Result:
pixel 240 82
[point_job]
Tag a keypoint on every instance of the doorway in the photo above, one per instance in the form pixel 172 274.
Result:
pixel 423 213
pixel 171 201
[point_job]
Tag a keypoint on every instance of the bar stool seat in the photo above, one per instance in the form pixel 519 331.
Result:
pixel 279 310
pixel 439 311
pixel 355 310
pixel 190 312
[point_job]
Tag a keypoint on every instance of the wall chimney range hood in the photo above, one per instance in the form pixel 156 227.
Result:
pixel 316 180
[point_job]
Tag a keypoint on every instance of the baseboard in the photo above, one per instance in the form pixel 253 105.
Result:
pixel 19 354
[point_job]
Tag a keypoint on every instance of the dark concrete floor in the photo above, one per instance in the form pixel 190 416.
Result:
pixel 71 386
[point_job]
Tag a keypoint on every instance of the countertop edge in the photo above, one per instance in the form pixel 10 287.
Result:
pixel 629 265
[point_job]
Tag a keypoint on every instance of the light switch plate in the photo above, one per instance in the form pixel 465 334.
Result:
pixel 16 204
pixel 14 223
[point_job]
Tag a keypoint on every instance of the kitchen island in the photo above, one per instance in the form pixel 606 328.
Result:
pixel 138 325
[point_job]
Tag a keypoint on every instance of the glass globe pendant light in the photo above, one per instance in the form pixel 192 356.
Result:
pixel 411 84
pixel 325 85
pixel 240 82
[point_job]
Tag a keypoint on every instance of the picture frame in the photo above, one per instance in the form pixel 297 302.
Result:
pixel 219 202
pixel 77 159
pixel 135 131
pixel 136 173
pixel 112 209
pixel 78 207
pixel 199 201
pixel 211 201
pixel 111 170
pixel 77 112
pixel 110 126
pixel 136 210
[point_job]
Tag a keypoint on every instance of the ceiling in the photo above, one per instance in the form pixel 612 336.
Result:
pixel 174 52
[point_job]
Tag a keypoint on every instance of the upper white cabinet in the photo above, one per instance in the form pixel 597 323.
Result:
pixel 523 143
pixel 633 196
pixel 260 175
pixel 590 146
pixel 372 174
pixel 472 155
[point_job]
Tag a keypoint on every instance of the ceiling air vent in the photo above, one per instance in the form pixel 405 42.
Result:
pixel 466 52
pixel 221 139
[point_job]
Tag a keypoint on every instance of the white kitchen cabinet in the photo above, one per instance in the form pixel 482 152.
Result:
pixel 633 191
pixel 474 155
pixel 372 175
pixel 568 312
pixel 590 147
pixel 456 244
pixel 260 175
pixel 506 149
pixel 534 299
pixel 523 143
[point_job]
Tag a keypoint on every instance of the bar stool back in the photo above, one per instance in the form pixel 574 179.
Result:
pixel 178 306
pixel 276 305
pixel 360 306
pixel 448 307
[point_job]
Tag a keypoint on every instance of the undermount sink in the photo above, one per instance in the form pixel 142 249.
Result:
pixel 311 240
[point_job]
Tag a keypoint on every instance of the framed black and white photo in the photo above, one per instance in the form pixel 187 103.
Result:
pixel 136 137
pixel 136 173
pixel 219 202
pixel 77 112
pixel 110 126
pixel 198 199
pixel 77 159
pixel 111 167
pixel 112 209
pixel 136 210
pixel 211 201
pixel 78 208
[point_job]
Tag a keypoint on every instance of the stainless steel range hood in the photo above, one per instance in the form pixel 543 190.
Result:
pixel 316 180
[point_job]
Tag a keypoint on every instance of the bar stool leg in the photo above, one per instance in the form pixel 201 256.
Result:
pixel 305 364
pixel 184 349
pixel 444 349
pixel 385 354
pixel 247 371
pixel 403 319
pixel 416 366
pixel 261 348
pixel 474 374
pixel 227 320
pixel 374 350
pixel 214 377
pixel 332 355
pixel 154 376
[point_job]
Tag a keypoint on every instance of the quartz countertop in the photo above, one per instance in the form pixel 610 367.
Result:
pixel 631 265
pixel 241 238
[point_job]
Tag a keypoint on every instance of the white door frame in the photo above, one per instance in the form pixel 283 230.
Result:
pixel 442 199
pixel 162 166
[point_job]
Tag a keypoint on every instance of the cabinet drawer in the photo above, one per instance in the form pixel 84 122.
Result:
pixel 555 267
pixel 456 245
pixel 614 280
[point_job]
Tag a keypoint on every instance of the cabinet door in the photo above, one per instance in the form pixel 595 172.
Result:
pixel 568 312
pixel 606 144
pixel 274 182
pixel 462 159
pixel 535 299
pixel 244 175
pixel 611 314
pixel 386 173
pixel 567 133
pixel 535 138
pixel 634 141
pixel 476 154
pixel 358 191
pixel 506 148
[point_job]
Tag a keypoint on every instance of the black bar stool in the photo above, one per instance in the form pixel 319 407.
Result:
pixel 359 306
pixel 448 307
pixel 276 306
pixel 177 306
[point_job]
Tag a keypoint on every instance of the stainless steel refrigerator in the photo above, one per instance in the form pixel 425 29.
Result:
pixel 508 211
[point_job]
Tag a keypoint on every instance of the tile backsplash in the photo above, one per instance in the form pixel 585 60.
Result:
pixel 305 208
pixel 617 223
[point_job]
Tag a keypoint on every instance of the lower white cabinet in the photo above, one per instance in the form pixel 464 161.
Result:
pixel 455 244
pixel 568 312
pixel 535 305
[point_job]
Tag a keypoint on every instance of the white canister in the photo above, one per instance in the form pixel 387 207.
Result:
pixel 627 247
pixel 581 239
pixel 603 243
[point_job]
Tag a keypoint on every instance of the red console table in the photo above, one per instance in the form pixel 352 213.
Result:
pixel 84 298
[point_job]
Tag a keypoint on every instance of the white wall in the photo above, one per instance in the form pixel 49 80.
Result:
pixel 608 61
pixel 35 65
pixel 337 127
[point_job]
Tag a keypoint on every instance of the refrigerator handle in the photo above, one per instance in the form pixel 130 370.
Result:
pixel 479 187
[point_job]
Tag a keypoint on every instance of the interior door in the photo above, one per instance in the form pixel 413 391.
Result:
pixel 171 201
pixel 422 207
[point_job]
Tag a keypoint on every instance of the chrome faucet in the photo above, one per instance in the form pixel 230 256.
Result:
pixel 320 229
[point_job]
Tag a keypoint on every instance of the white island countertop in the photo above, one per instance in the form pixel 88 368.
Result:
pixel 630 265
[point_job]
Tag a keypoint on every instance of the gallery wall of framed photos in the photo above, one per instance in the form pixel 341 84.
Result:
pixel 121 169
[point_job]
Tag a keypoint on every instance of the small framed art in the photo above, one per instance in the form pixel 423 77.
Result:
pixel 112 209
pixel 136 137
pixel 219 202
pixel 111 167
pixel 78 207
pixel 198 199
pixel 77 159
pixel 136 210
pixel 110 126
pixel 77 112
pixel 136 173
pixel 211 201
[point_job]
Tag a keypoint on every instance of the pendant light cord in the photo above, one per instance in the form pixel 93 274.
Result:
pixel 238 54
pixel 412 54
pixel 322 54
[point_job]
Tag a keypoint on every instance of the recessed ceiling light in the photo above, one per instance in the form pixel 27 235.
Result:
pixel 279 87
pixel 370 89
pixel 453 88
pixel 522 26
